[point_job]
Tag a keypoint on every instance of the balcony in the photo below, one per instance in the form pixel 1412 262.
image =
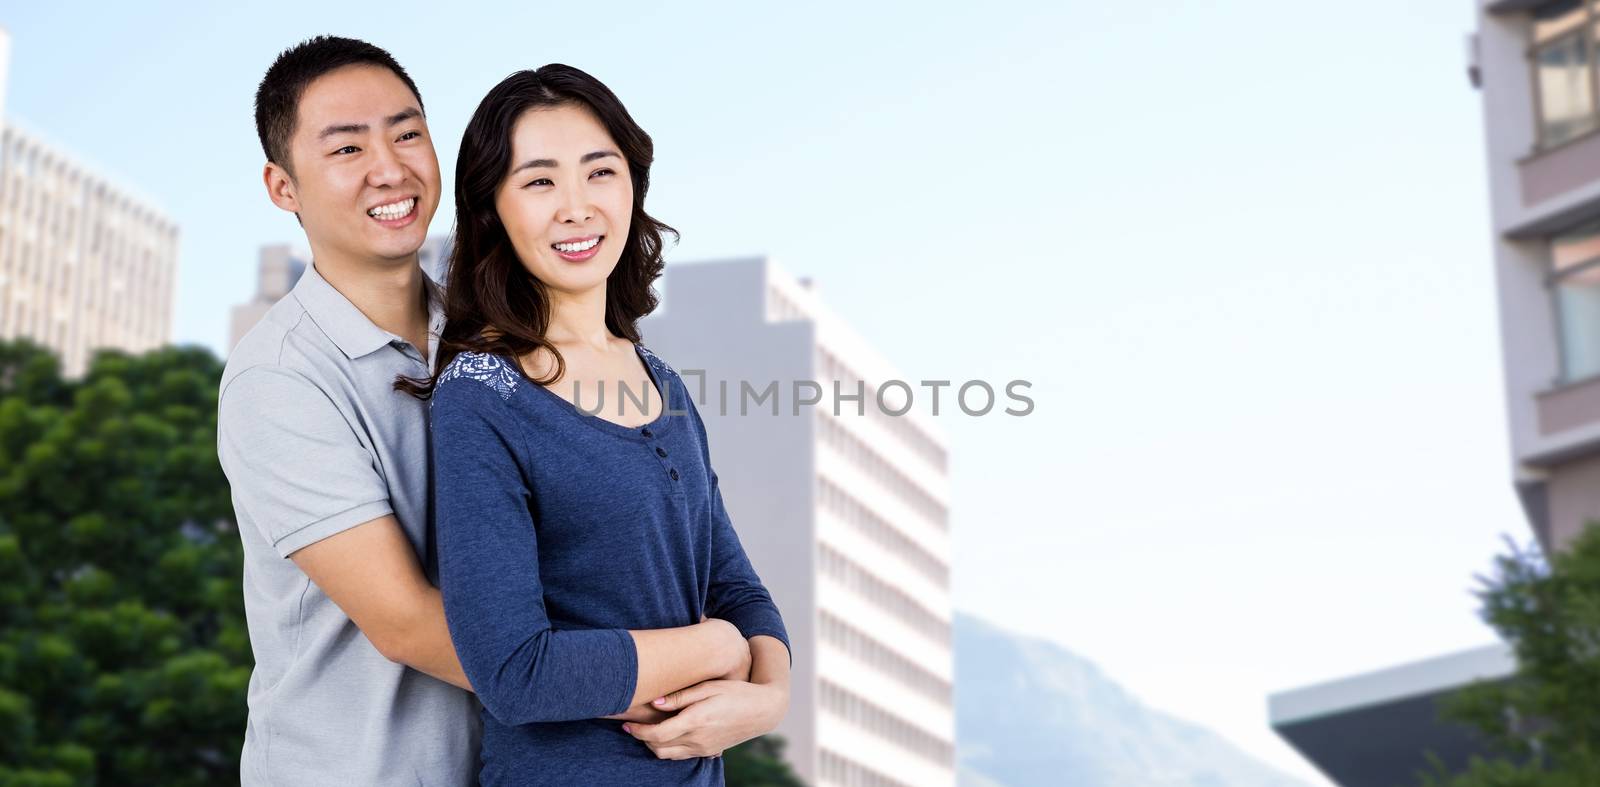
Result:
pixel 1561 170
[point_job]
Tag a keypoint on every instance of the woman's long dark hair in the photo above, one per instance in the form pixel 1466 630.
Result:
pixel 492 303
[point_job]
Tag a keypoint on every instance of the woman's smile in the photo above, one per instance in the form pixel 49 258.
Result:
pixel 578 249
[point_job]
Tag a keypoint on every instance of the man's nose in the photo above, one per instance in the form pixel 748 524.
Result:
pixel 386 169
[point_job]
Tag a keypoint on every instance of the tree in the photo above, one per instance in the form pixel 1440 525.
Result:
pixel 123 650
pixel 1543 723
pixel 758 763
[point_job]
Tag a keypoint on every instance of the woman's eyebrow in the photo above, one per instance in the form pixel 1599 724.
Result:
pixel 550 162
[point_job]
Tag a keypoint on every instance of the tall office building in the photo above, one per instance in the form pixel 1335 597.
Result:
pixel 844 513
pixel 1535 64
pixel 83 264
pixel 281 265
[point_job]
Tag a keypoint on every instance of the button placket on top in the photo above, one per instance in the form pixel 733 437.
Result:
pixel 662 456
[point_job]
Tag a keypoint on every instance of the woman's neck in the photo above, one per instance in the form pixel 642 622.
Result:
pixel 578 319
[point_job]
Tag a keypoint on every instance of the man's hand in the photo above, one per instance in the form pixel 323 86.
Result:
pixel 711 717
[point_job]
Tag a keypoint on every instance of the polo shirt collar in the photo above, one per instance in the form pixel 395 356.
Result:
pixel 351 331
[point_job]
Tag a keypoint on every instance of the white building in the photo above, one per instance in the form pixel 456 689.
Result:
pixel 281 265
pixel 843 509
pixel 83 264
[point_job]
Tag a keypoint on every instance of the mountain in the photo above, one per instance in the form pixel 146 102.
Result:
pixel 1030 713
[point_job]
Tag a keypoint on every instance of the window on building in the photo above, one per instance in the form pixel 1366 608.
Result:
pixel 1575 279
pixel 1564 50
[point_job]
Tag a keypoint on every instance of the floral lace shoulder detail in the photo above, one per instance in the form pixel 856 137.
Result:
pixel 491 370
pixel 656 362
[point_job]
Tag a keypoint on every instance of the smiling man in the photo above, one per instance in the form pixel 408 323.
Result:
pixel 356 682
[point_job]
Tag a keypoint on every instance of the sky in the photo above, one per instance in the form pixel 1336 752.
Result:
pixel 1241 248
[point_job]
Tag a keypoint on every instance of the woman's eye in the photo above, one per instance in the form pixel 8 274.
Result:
pixel 603 172
pixel 537 182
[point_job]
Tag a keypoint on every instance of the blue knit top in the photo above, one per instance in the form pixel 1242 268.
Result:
pixel 557 532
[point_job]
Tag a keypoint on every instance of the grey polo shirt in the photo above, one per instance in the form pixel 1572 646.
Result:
pixel 315 440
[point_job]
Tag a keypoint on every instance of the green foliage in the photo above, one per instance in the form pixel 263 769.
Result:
pixel 1542 724
pixel 758 763
pixel 123 652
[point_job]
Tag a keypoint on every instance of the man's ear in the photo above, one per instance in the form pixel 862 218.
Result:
pixel 280 187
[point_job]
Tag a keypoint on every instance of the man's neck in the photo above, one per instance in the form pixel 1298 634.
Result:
pixel 388 292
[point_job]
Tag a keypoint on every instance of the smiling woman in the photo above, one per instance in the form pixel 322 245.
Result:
pixel 592 581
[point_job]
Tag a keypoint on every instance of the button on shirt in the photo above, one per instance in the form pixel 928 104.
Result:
pixel 558 531
pixel 315 440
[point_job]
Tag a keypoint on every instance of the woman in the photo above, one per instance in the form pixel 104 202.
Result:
pixel 587 564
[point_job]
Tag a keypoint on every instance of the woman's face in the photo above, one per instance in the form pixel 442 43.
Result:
pixel 568 199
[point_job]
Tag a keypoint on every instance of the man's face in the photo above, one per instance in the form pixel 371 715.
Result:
pixel 366 180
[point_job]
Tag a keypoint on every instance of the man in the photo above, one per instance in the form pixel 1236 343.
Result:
pixel 356 682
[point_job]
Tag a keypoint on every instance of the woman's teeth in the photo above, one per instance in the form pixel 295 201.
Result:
pixel 393 211
pixel 573 248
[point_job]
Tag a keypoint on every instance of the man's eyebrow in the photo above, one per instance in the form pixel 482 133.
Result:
pixel 358 128
pixel 404 115
pixel 550 162
pixel 343 128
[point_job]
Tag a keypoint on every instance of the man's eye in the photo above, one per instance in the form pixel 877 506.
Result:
pixel 350 148
pixel 410 134
pixel 603 171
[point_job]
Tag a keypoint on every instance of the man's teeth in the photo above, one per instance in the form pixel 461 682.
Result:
pixel 393 211
pixel 572 248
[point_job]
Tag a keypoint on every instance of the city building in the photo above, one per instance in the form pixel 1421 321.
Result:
pixel 1534 63
pixel 842 507
pixel 84 264
pixel 281 265
pixel 279 269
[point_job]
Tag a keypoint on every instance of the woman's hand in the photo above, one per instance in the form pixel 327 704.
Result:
pixel 713 716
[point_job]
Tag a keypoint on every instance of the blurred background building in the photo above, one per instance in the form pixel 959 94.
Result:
pixel 1534 62
pixel 845 515
pixel 83 263
pixel 281 265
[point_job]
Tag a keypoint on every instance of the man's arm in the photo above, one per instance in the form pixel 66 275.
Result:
pixel 373 574
pixel 305 481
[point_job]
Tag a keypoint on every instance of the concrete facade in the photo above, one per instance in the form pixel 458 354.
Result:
pixel 84 265
pixel 845 516
pixel 1545 202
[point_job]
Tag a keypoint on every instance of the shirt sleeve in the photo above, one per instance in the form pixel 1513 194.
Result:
pixel 298 470
pixel 736 593
pixel 522 669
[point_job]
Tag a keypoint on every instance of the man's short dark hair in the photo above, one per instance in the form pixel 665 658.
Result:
pixel 278 97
